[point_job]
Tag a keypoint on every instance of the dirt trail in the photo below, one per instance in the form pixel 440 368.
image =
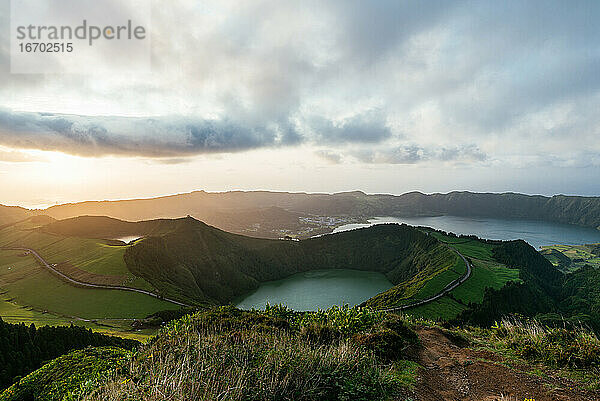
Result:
pixel 453 372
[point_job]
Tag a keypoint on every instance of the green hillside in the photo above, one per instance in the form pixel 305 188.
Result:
pixel 30 293
pixel 24 348
pixel 487 272
pixel 199 263
pixel 24 282
pixel 572 257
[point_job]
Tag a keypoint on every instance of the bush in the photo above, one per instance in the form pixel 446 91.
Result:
pixel 320 333
pixel 400 326
pixel 385 343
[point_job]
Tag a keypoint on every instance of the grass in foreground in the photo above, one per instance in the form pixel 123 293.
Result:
pixel 228 354
pixel 66 377
pixel 556 347
pixel 278 354
pixel 570 351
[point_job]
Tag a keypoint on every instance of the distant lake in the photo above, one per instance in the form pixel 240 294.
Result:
pixel 536 233
pixel 318 289
pixel 128 238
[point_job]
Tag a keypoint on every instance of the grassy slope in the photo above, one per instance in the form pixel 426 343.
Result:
pixel 343 354
pixel 449 267
pixel 91 255
pixel 12 312
pixel 199 263
pixel 67 374
pixel 486 273
pixel 28 284
pixel 577 256
pixel 11 214
pixel 334 355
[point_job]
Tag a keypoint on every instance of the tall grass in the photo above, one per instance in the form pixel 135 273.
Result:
pixel 220 356
pixel 573 347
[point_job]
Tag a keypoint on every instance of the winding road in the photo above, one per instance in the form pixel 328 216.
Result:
pixel 89 285
pixel 445 291
pixel 451 286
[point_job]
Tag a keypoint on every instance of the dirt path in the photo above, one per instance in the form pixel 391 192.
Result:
pixel 452 372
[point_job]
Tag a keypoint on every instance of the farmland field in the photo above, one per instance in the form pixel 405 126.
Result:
pixel 486 273
pixel 578 256
pixel 90 255
pixel 24 281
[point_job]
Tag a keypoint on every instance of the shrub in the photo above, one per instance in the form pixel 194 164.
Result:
pixel 195 358
pixel 385 343
pixel 320 333
pixel 573 347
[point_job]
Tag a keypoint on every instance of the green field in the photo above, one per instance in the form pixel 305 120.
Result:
pixel 26 283
pixel 443 266
pixel 14 313
pixel 470 248
pixel 437 283
pixel 90 255
pixel 486 273
pixel 444 308
pixel 11 312
pixel 578 256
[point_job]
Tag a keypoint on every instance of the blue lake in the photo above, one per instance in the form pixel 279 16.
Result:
pixel 536 233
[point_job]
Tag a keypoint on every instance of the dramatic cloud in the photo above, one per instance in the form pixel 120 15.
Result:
pixel 412 154
pixel 150 137
pixel 381 82
pixel 367 128
pixel 170 136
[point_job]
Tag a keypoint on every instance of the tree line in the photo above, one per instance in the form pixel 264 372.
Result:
pixel 24 349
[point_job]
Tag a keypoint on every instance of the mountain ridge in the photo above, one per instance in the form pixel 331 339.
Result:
pixel 240 211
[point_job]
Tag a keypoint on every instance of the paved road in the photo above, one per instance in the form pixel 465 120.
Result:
pixel 445 291
pixel 88 285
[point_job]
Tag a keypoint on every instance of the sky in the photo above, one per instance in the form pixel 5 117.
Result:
pixel 318 96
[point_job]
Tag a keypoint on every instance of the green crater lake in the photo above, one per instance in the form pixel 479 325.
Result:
pixel 318 289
